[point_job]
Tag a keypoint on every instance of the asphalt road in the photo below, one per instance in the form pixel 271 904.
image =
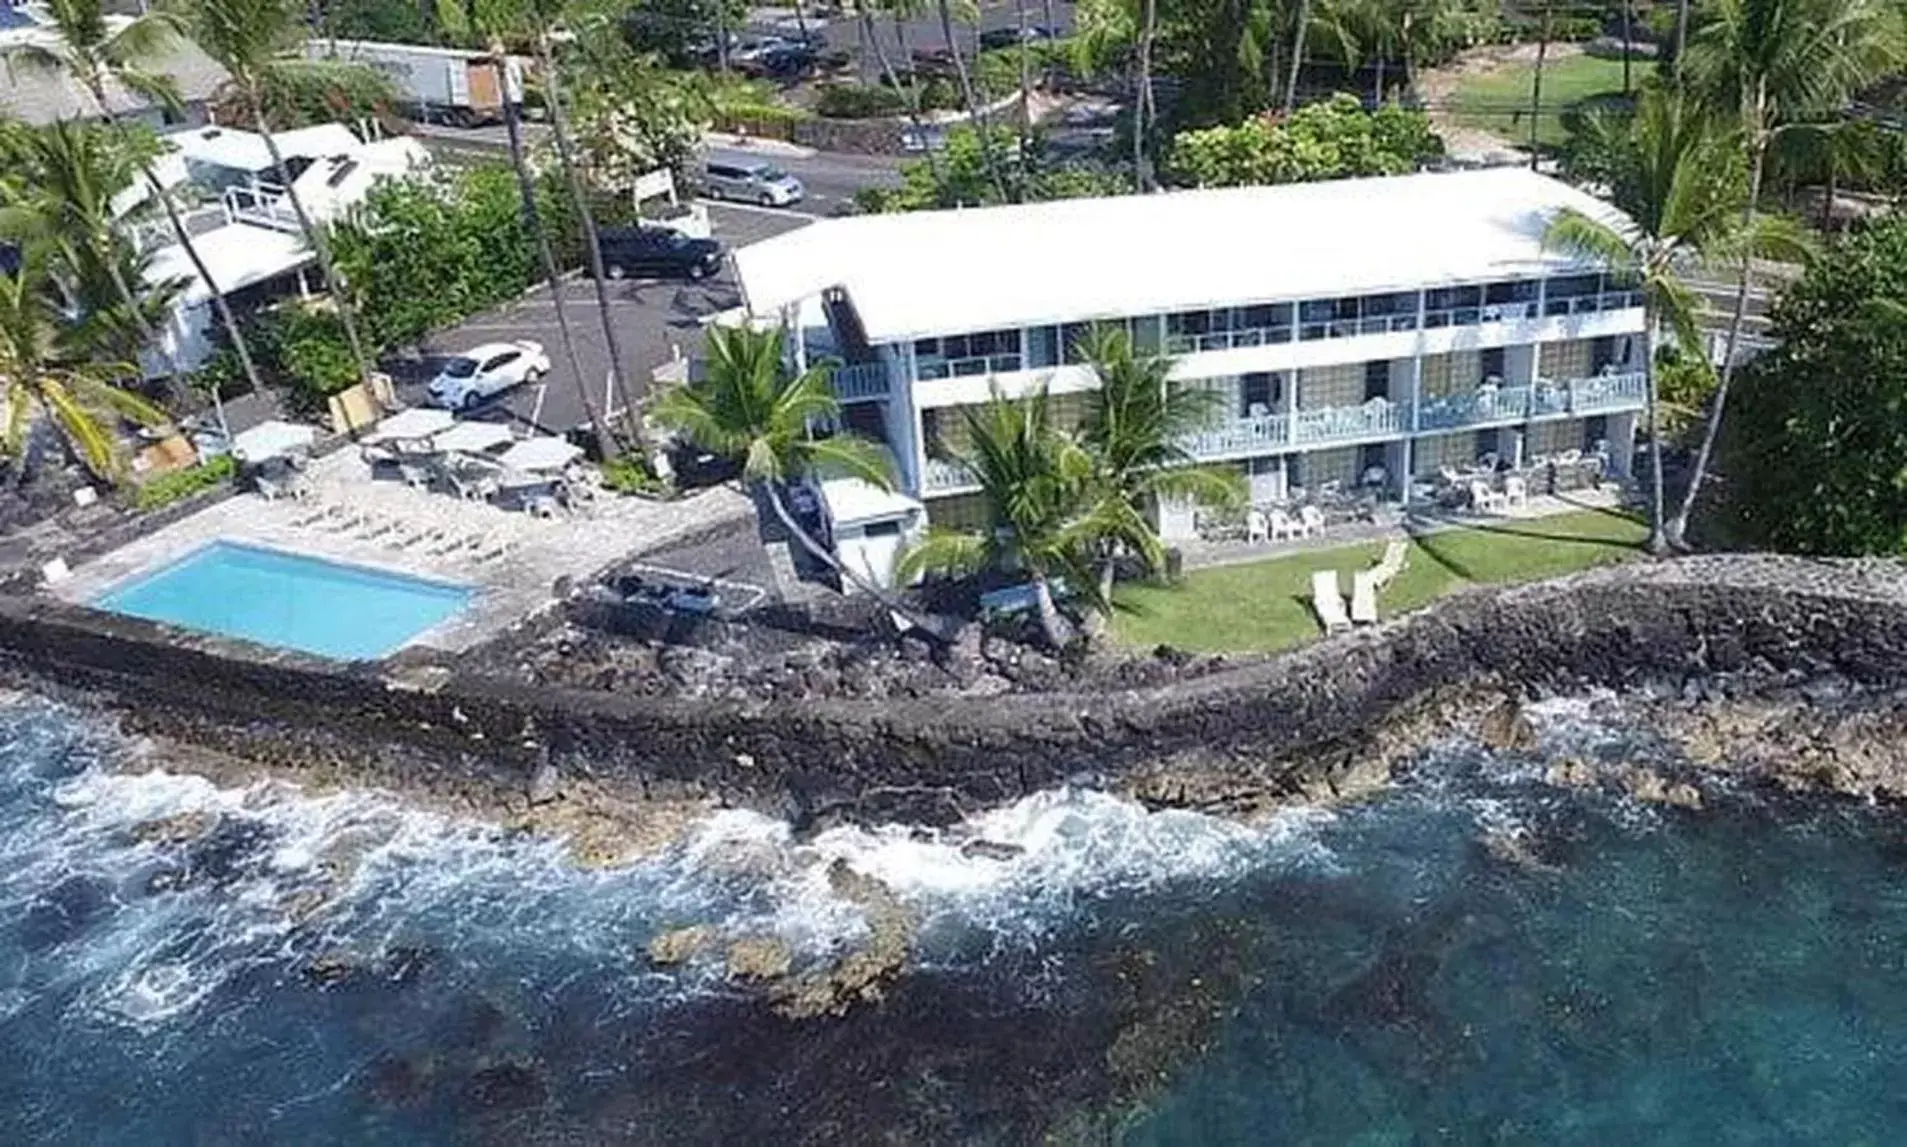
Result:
pixel 653 320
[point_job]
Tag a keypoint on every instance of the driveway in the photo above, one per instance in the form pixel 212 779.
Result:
pixel 654 320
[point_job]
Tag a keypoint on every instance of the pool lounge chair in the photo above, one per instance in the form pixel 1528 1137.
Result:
pixel 1364 597
pixel 1328 601
pixel 1395 553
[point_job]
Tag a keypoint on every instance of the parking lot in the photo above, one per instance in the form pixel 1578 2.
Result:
pixel 654 321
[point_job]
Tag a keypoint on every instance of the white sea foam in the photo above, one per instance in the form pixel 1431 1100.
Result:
pixel 287 875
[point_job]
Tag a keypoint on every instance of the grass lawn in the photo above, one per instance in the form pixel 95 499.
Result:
pixel 1498 101
pixel 1267 605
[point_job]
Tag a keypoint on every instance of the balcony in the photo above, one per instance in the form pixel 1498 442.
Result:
pixel 1607 392
pixel 861 380
pixel 1377 418
pixel 1485 405
pixel 944 476
pixel 1241 436
pixel 1226 340
pixel 931 368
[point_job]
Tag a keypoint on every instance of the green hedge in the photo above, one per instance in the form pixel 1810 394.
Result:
pixel 171 487
pixel 859 101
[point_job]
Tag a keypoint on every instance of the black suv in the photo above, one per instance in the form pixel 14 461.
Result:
pixel 658 252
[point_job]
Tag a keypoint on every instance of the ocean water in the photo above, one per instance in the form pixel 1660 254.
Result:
pixel 1473 958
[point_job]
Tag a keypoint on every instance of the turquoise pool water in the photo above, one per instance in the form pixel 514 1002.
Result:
pixel 288 600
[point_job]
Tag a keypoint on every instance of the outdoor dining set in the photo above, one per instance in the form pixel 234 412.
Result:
pixel 480 461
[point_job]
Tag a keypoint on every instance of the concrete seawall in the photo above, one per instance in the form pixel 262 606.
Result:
pixel 1268 726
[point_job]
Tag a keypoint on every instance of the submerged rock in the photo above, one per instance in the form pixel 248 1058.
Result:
pixel 759 959
pixel 1507 728
pixel 508 1086
pixel 991 850
pixel 679 944
pixel 1573 773
pixel 179 828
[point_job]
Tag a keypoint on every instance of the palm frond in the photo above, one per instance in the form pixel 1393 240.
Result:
pixel 850 456
pixel 942 551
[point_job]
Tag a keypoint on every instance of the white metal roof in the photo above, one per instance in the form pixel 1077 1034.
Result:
pixel 855 501
pixel 235 255
pixel 922 273
pixel 246 150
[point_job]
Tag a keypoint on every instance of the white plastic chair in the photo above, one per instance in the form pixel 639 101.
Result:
pixel 1257 529
pixel 1364 597
pixel 1311 520
pixel 1283 528
pixel 1516 492
pixel 1485 500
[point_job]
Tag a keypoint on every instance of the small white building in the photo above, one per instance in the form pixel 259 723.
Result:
pixel 1362 334
pixel 249 239
pixel 869 526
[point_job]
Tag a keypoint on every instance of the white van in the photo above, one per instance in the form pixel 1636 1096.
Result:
pixel 761 183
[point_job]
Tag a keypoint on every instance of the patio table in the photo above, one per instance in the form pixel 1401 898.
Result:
pixel 272 439
pixel 472 437
pixel 540 455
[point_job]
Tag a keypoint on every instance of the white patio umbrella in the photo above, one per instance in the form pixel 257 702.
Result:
pixel 540 455
pixel 406 425
pixel 271 439
pixel 472 437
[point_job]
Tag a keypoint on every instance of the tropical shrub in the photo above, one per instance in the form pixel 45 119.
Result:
pixel 175 485
pixel 960 179
pixel 1814 451
pixel 859 101
pixel 420 255
pixel 1328 140
pixel 299 93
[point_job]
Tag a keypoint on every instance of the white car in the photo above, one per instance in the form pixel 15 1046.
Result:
pixel 486 371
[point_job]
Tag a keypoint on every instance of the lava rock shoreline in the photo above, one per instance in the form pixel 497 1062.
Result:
pixel 1321 722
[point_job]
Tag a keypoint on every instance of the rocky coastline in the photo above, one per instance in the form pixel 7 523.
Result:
pixel 1324 722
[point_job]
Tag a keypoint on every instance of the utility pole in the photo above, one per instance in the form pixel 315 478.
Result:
pixel 1536 86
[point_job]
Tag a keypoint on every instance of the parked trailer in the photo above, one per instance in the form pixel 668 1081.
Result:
pixel 441 85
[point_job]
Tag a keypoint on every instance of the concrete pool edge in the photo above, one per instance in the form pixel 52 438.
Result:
pixel 112 596
pixel 1258 732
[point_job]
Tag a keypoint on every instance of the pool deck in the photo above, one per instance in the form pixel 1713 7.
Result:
pixel 511 558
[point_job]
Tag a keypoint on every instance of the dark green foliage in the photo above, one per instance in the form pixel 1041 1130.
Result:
pixel 299 93
pixel 680 30
pixel 1815 447
pixel 175 485
pixel 859 101
pixel 420 256
pixel 1329 140
pixel 395 21
pixel 963 179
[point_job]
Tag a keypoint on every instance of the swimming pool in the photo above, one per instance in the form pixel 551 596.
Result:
pixel 288 600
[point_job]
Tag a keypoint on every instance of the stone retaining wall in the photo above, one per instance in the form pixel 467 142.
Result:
pixel 455 731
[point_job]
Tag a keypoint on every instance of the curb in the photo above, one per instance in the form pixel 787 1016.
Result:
pixel 750 143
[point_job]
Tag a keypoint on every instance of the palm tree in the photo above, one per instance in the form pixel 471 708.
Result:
pixel 1303 23
pixel 246 37
pixel 491 23
pixel 1135 423
pixel 79 399
pixel 750 408
pixel 542 21
pixel 976 111
pixel 1049 519
pixel 95 54
pixel 74 172
pixel 901 11
pixel 1777 64
pixel 1681 186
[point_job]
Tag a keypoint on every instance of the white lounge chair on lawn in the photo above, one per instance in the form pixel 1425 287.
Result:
pixel 1311 521
pixel 1257 528
pixel 1395 553
pixel 1283 529
pixel 1328 601
pixel 1364 597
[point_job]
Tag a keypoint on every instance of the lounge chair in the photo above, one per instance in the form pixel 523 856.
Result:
pixel 1328 601
pixel 1485 500
pixel 1395 554
pixel 1283 528
pixel 1364 597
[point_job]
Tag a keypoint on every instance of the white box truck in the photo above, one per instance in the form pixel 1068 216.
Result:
pixel 441 85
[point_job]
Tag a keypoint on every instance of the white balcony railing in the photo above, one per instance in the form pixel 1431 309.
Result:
pixel 1240 436
pixel 943 475
pixel 1607 392
pixel 1375 419
pixel 860 380
pixel 265 204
